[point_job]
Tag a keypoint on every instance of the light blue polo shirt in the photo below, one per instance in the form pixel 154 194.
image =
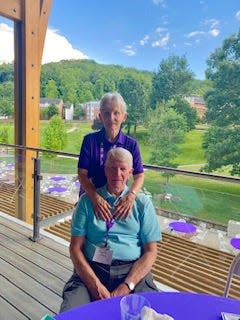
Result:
pixel 126 237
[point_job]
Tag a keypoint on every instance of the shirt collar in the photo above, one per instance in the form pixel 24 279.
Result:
pixel 120 137
pixel 106 195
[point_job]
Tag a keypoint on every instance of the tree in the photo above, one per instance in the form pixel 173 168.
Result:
pixel 221 142
pixel 51 89
pixel 6 108
pixel 166 130
pixel 55 135
pixel 135 93
pixel 79 111
pixel 51 111
pixel 181 106
pixel 171 79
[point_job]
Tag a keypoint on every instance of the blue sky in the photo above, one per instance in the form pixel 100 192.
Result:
pixel 140 33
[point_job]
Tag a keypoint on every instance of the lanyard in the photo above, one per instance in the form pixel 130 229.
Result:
pixel 110 224
pixel 101 154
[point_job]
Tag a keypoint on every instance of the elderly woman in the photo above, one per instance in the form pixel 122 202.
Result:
pixel 93 154
pixel 112 258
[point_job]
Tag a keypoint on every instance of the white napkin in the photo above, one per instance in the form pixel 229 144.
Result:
pixel 150 314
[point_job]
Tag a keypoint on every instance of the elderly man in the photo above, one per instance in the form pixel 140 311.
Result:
pixel 113 257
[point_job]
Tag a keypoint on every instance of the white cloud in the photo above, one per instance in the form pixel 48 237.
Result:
pixel 160 30
pixel 56 47
pixel 128 50
pixel 195 33
pixel 144 40
pixel 161 42
pixel 214 32
pixel 214 23
pixel 7 41
pixel 161 2
pixel 238 15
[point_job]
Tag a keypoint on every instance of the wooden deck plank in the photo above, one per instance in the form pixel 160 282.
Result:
pixel 22 301
pixel 36 247
pixel 34 271
pixel 29 255
pixel 10 312
pixel 21 280
pixel 31 282
pixel 26 232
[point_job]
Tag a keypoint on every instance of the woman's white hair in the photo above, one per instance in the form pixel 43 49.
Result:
pixel 119 154
pixel 109 97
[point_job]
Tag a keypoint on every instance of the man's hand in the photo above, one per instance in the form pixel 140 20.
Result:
pixel 121 290
pixel 101 208
pixel 99 291
pixel 124 206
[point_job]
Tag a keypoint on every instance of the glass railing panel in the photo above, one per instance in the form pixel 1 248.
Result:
pixel 212 206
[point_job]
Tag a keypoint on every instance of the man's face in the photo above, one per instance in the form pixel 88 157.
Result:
pixel 112 117
pixel 117 173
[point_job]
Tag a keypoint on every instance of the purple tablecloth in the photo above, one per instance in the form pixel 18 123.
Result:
pixel 57 178
pixel 181 306
pixel 181 226
pixel 235 242
pixel 57 189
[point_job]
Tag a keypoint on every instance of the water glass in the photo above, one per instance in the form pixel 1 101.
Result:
pixel 131 306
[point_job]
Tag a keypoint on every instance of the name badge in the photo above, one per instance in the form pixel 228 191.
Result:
pixel 103 255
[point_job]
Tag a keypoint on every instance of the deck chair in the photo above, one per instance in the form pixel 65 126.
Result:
pixel 233 270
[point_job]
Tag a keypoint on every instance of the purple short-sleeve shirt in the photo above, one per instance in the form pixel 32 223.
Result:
pixel 95 148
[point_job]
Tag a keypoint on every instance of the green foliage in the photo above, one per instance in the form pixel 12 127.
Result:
pixel 6 108
pixel 5 134
pixel 78 111
pixel 222 141
pixel 51 90
pixel 223 148
pixel 135 92
pixel 51 110
pixel 171 79
pixel 55 135
pixel 166 131
pixel 182 107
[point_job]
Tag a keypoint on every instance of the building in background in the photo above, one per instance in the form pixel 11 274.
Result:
pixel 198 103
pixel 91 110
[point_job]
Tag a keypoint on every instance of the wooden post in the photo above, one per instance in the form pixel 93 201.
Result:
pixel 30 25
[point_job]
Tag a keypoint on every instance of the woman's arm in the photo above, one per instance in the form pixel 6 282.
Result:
pixel 84 270
pixel 101 206
pixel 125 205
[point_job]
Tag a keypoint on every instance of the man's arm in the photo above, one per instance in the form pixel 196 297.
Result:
pixel 139 269
pixel 84 270
pixel 101 206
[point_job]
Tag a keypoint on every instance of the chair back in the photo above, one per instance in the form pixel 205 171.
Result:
pixel 233 270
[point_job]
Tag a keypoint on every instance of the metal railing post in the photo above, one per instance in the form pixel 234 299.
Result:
pixel 36 211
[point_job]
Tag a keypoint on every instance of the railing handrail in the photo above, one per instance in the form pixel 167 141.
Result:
pixel 146 166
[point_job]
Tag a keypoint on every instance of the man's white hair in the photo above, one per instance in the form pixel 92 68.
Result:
pixel 119 154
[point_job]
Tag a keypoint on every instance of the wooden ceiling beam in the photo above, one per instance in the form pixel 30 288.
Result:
pixel 11 9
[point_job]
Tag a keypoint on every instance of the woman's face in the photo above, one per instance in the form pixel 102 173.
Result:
pixel 112 117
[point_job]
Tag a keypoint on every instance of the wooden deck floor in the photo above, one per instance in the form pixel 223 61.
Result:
pixel 32 274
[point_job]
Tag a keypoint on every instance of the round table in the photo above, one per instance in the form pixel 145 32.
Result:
pixel 181 226
pixel 235 242
pixel 57 189
pixel 57 178
pixel 179 305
